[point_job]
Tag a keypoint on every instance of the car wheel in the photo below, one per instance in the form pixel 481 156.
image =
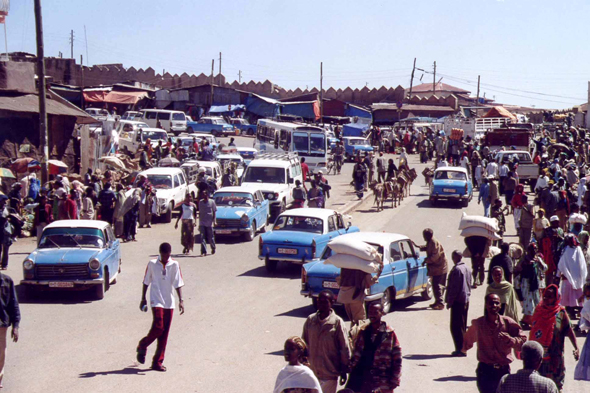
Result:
pixel 433 201
pixel 270 264
pixel 387 301
pixel 168 215
pixel 120 265
pixel 465 202
pixel 251 233
pixel 427 293
pixel 99 290
pixel 30 292
pixel 244 133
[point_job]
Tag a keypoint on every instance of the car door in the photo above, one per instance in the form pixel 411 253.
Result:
pixel 116 252
pixel 340 224
pixel 108 255
pixel 413 265
pixel 399 269
pixel 258 216
pixel 263 206
pixel 333 226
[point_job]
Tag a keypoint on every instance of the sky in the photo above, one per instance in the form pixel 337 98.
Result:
pixel 527 52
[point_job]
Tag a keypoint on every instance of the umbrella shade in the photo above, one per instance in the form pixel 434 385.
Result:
pixel 56 167
pixel 113 161
pixel 26 164
pixel 5 172
pixel 169 161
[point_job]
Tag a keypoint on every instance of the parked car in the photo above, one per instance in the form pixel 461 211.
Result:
pixel 174 122
pixel 248 153
pixel 74 254
pixel 131 140
pixel 98 114
pixel 353 144
pixel 132 115
pixel 301 235
pixel 240 211
pixel 451 183
pixel 208 137
pixel 171 188
pixel 244 126
pixel 528 172
pixel 403 275
pixel 216 126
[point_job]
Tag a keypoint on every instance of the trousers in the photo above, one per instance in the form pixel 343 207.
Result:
pixel 4 248
pixel 477 267
pixel 488 376
pixel 524 235
pixel 159 331
pixel 207 236
pixel 438 284
pixel 459 323
pixel 3 334
pixel 355 311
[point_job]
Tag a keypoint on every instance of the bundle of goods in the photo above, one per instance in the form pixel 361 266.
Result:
pixel 354 254
pixel 456 134
pixel 492 252
pixel 577 218
pixel 515 251
pixel 479 226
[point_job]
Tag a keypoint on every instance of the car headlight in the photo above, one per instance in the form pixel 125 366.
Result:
pixel 245 219
pixel 28 264
pixel 270 196
pixel 94 264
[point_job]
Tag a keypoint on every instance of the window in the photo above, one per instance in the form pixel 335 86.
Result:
pixel 395 251
pixel 181 179
pixel 299 224
pixel 301 142
pixel 341 222
pixel 264 175
pixel 317 143
pixel 178 116
pixel 407 249
pixel 151 115
pixel 331 224
pixel 450 175
pixel 164 116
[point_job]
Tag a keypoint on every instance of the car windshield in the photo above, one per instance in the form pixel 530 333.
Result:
pixel 522 157
pixel 154 135
pixel 328 252
pixel 301 142
pixel 233 199
pixel 161 182
pixel 450 175
pixel 358 142
pixel 299 224
pixel 264 175
pixel 317 143
pixel 178 116
pixel 72 237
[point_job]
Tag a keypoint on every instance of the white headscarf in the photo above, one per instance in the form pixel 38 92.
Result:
pixel 296 377
pixel 572 265
pixel 581 190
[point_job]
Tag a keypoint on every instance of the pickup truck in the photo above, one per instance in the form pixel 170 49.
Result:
pixel 527 171
pixel 214 125
pixel 244 127
pixel 131 138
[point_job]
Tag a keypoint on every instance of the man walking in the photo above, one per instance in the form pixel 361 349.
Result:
pixel 528 379
pixel 9 316
pixel 496 336
pixel 207 211
pixel 381 168
pixel 327 342
pixel 436 265
pixel 164 276
pixel 457 299
pixel 484 195
pixel 107 200
pixel 527 218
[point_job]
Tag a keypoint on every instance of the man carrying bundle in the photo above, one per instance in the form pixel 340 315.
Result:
pixel 436 265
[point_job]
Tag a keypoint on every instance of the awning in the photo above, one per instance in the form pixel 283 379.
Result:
pixel 125 97
pixel 95 96
pixel 226 108
pixel 29 103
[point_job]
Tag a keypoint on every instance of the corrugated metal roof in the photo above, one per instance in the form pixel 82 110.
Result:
pixel 29 103
pixel 440 87
pixel 411 107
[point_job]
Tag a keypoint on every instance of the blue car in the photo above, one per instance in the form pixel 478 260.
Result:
pixel 300 236
pixel 353 144
pixel 451 183
pixel 240 211
pixel 403 275
pixel 74 254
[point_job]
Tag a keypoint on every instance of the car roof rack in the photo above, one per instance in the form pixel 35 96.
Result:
pixel 278 156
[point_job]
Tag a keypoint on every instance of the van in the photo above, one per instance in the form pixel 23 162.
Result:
pixel 171 121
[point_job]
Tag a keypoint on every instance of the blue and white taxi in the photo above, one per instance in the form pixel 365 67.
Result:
pixel 451 183
pixel 403 275
pixel 240 211
pixel 80 254
pixel 301 235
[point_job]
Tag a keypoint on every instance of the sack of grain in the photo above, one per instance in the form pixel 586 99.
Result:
pixel 515 251
pixel 577 218
pixel 345 261
pixel 491 224
pixel 479 231
pixel 356 248
pixel 493 251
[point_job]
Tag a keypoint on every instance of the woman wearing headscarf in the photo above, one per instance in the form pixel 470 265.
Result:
pixel 130 214
pixel 296 376
pixel 550 326
pixel 505 292
pixel 581 191
pixel 87 212
pixel 118 216
pixel 402 161
pixel 529 280
pixel 582 372
pixel 573 270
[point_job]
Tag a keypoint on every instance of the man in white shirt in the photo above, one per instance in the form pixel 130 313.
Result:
pixel 503 173
pixel 492 170
pixel 164 276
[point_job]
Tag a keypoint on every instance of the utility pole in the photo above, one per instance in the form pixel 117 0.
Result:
pixel 86 39
pixel 240 77
pixel 322 92
pixel 82 82
pixel 477 102
pixel 434 80
pixel 72 44
pixel 219 69
pixel 212 66
pixel 41 80
pixel 412 78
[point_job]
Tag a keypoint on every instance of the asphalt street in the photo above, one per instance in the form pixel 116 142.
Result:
pixel 237 317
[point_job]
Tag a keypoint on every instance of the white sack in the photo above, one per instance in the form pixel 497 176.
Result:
pixel 356 248
pixel 491 224
pixel 345 261
pixel 478 231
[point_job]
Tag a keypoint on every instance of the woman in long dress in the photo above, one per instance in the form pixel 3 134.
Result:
pixel 296 376
pixel 506 292
pixel 189 218
pixel 573 270
pixel 118 213
pixel 530 281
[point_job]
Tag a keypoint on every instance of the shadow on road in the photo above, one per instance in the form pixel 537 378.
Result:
pixel 276 353
pixel 287 271
pixel 301 312
pixel 456 378
pixel 124 371
pixel 425 203
pixel 426 357
pixel 47 296
pixel 402 305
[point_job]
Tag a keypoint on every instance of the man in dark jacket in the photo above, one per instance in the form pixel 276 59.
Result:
pixel 436 265
pixel 107 199
pixel 457 299
pixel 9 316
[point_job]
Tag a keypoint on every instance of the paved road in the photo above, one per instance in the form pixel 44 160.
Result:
pixel 237 317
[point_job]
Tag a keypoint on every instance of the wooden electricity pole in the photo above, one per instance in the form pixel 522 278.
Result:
pixel 41 80
pixel 322 92
pixel 477 102
pixel 212 67
pixel 412 78
pixel 219 69
pixel 82 82
pixel 434 80
pixel 72 44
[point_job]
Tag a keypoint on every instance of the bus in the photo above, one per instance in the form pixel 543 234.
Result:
pixel 305 140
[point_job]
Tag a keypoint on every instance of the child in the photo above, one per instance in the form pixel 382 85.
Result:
pixel 539 225
pixel 498 213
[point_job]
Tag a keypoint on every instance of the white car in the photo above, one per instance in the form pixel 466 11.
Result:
pixel 226 159
pixel 213 169
pixel 208 137
pixel 171 188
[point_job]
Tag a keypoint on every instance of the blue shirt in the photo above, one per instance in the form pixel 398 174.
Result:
pixel 484 193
